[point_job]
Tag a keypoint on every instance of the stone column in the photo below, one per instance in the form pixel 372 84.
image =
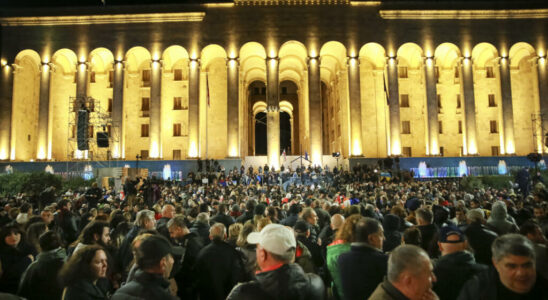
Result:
pixel 118 110
pixel 232 109
pixel 43 112
pixel 81 79
pixel 394 106
pixel 315 110
pixel 193 108
pixel 431 106
pixel 355 106
pixel 272 113
pixel 6 94
pixel 156 110
pixel 543 95
pixel 507 109
pixel 467 86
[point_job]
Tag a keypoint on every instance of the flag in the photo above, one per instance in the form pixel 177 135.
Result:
pixel 207 89
pixel 385 88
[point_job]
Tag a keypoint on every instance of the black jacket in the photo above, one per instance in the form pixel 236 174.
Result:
pixel 248 215
pixel 183 268
pixel 125 255
pixel 224 219
pixel 429 241
pixel 487 286
pixel 361 270
pixel 391 224
pixel 84 290
pixel 480 239
pixel 40 279
pixel 145 286
pixel 68 225
pixel 219 268
pixel 288 282
pixel 14 262
pixel 452 272
pixel 202 230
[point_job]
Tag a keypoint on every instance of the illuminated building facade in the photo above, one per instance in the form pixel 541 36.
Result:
pixel 366 79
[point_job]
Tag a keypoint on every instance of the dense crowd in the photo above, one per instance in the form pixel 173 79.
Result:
pixel 309 233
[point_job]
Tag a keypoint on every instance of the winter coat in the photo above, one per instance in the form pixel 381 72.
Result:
pixel 202 230
pixel 224 219
pixel 480 240
pixel 361 270
pixel 386 291
pixel 391 225
pixel 84 290
pixel 145 286
pixel 288 282
pixel 429 241
pixel 334 250
pixel 452 272
pixel 14 262
pixel 498 220
pixel 40 279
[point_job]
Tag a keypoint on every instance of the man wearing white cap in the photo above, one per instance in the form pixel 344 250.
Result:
pixel 279 277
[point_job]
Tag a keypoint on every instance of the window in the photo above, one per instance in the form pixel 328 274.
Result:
pixel 145 105
pixel 178 75
pixel 438 99
pixel 495 151
pixel 90 131
pixel 460 126
pixel 489 73
pixel 406 127
pixel 177 154
pixel 437 74
pixel 404 100
pixel 144 154
pixel 492 102
pixel 256 91
pixel 406 151
pixel 146 78
pixel 92 77
pixel 177 103
pixel 459 103
pixel 284 90
pixel 493 126
pixel 144 130
pixel 110 78
pixel 441 151
pixel 177 129
pixel 263 91
pixel 402 72
pixel 109 105
pixel 440 127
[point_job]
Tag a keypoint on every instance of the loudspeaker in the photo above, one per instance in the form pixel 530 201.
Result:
pixel 82 130
pixel 102 139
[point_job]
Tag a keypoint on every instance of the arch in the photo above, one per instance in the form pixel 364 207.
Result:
pixel 336 50
pixel 293 48
pixel 135 57
pixel 373 53
pixel 293 55
pixel 173 55
pixel 252 62
pixel 287 107
pixel 412 55
pixel 28 54
pixel 290 75
pixel 259 106
pixel 211 52
pixel 66 60
pixel 483 54
pixel 520 51
pixel 101 60
pixel 447 55
pixel 252 49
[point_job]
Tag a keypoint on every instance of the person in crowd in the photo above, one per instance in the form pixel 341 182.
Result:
pixel 219 266
pixel 363 267
pixel 248 250
pixel 80 274
pixel 409 276
pixel 324 219
pixel 25 213
pixel 192 244
pixel 279 277
pixel 293 215
pixel 15 257
pixel 309 216
pixel 40 279
pixel 67 221
pixel 341 244
pixel 499 221
pixel 47 217
pixel 329 232
pixel 391 225
pixel 155 260
pixel 168 212
pixel 222 216
pixel 479 237
pixel 303 255
pixel 429 231
pixel 411 236
pixel 34 231
pixel 456 265
pixel 96 232
pixel 248 214
pixel 532 231
pixel 200 226
pixel 514 274
pixel 143 220
pixel 233 233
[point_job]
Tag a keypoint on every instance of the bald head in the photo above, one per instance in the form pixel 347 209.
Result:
pixel 167 211
pixel 337 221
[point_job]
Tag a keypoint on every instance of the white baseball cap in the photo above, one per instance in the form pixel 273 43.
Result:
pixel 274 238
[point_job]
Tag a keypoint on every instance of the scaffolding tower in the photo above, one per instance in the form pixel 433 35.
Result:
pixel 539 132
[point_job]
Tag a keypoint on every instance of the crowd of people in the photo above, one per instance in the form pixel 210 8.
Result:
pixel 309 233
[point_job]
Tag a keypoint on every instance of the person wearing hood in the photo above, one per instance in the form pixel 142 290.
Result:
pixel 40 279
pixel 499 221
pixel 456 265
pixel 391 224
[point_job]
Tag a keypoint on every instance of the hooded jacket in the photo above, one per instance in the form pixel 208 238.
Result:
pixel 40 279
pixel 498 221
pixel 391 224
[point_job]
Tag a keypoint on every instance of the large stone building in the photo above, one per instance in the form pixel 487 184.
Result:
pixel 363 78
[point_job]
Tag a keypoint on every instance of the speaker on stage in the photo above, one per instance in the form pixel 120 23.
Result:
pixel 82 130
pixel 102 139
